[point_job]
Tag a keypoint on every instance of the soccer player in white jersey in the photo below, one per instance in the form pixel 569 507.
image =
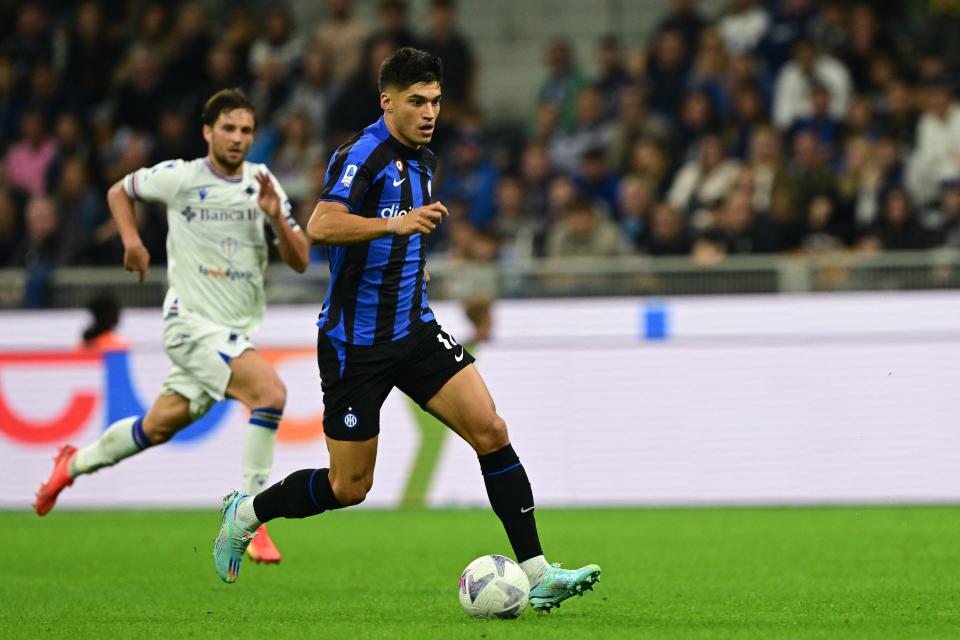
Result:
pixel 217 207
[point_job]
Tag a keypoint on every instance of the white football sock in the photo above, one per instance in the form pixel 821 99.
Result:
pixel 258 444
pixel 122 439
pixel 246 515
pixel 533 568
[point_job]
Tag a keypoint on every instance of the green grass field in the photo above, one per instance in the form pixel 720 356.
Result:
pixel 668 573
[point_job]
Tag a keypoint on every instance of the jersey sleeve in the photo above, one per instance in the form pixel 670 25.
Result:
pixel 348 179
pixel 286 208
pixel 159 183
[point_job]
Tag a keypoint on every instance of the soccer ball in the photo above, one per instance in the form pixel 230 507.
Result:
pixel 494 587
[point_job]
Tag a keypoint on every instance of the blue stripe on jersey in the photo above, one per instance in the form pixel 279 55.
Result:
pixel 375 293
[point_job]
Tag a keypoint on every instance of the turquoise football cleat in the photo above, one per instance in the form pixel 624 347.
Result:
pixel 232 543
pixel 556 585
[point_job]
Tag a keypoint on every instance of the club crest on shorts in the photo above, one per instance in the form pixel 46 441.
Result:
pixel 350 420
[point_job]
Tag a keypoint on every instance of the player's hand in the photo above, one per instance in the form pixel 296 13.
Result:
pixel 136 258
pixel 268 200
pixel 421 220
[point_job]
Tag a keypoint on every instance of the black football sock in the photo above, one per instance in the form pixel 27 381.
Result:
pixel 512 500
pixel 301 494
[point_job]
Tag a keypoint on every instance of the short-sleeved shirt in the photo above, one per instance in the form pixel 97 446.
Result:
pixel 377 293
pixel 216 243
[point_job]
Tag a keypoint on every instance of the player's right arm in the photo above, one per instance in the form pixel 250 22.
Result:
pixel 332 223
pixel 158 184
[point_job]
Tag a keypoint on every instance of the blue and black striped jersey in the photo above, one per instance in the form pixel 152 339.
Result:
pixel 377 293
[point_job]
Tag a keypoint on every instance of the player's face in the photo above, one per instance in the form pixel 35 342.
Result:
pixel 414 111
pixel 230 137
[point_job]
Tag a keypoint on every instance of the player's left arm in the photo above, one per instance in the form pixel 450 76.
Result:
pixel 291 241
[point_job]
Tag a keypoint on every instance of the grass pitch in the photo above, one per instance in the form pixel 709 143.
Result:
pixel 667 573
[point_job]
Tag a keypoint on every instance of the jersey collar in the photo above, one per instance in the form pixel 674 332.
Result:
pixel 220 174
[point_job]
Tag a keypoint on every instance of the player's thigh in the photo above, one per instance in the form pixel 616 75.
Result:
pixel 465 405
pixel 254 382
pixel 351 468
pixel 170 413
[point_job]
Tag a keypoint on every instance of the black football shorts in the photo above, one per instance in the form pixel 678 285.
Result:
pixel 356 379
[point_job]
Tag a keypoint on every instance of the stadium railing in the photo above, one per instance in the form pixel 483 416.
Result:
pixel 633 275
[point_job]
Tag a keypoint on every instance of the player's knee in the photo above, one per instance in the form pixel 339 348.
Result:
pixel 158 431
pixel 272 394
pixel 492 435
pixel 351 493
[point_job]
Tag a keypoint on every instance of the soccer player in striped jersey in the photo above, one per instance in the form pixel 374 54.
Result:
pixel 218 208
pixel 376 332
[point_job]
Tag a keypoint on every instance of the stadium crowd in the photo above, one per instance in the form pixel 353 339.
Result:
pixel 777 126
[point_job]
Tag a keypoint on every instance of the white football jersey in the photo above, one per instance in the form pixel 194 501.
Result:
pixel 216 243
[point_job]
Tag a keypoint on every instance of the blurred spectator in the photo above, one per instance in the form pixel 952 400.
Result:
pixel 342 35
pixel 635 201
pixel 471 178
pixel 459 72
pixel 824 127
pixel 597 183
pixel 864 44
pixel 668 235
pixel 190 43
pixel 697 119
pixel 279 48
pixel 81 210
pixel 394 26
pixel 176 137
pixel 743 25
pixel 358 104
pixel 790 20
pixel 667 72
pixel 897 114
pixel 649 161
pixel 11 228
pixel 858 183
pixel 683 17
pixel 39 252
pixel 313 92
pixel 535 173
pixel 71 143
pixel 46 95
pixel 792 98
pixel 29 159
pixel 748 115
pixel 947 214
pixel 241 32
pixel 736 230
pixel 296 153
pixel 563 83
pixel 828 29
pixel 809 170
pixel 702 183
pixel 515 225
pixel 898 227
pixel 937 152
pixel 32 42
pixel 710 72
pixel 633 123
pixel 612 76
pixel 823 230
pixel 584 231
pixel 467 243
pixel 590 131
pixel 767 169
pixel 560 196
pixel 139 98
pixel 222 72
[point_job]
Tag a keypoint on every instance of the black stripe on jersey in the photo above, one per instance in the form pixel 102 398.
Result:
pixel 342 152
pixel 351 272
pixel 393 272
pixel 379 158
pixel 415 307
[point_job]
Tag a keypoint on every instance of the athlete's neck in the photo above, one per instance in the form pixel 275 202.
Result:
pixel 392 128
pixel 212 159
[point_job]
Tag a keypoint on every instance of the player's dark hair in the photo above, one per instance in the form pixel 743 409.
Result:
pixel 408 66
pixel 224 101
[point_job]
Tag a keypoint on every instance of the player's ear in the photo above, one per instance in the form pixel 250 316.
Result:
pixel 207 133
pixel 385 102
